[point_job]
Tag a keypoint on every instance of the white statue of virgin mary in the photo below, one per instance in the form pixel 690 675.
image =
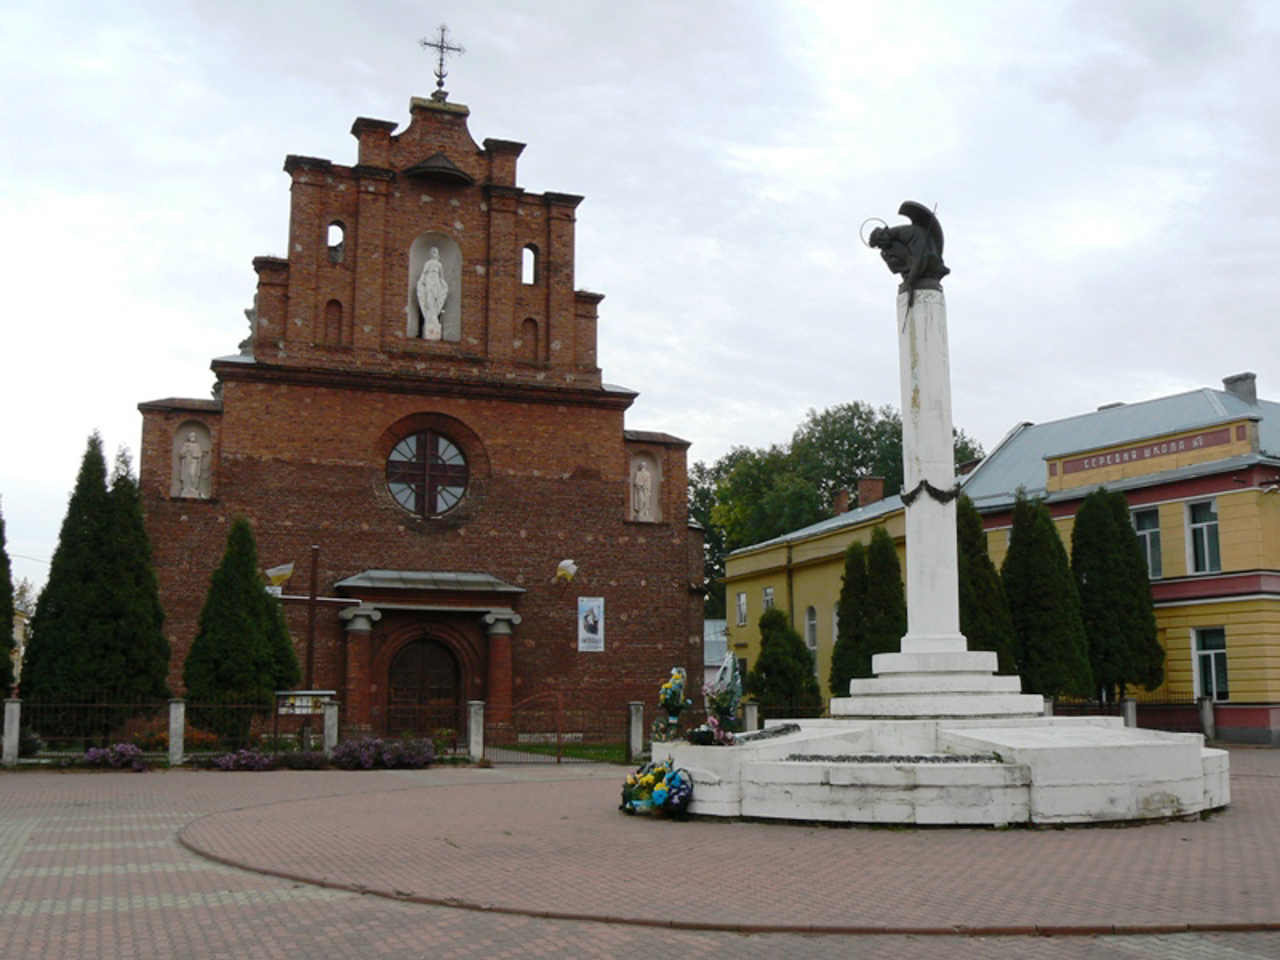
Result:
pixel 433 291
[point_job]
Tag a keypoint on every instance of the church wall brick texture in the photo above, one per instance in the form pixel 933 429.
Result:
pixel 426 603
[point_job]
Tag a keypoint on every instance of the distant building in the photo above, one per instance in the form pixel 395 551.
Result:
pixel 1201 472
pixel 420 397
pixel 715 643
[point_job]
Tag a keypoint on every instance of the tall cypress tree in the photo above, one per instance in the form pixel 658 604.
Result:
pixel 64 657
pixel 984 611
pixel 782 679
pixel 242 652
pixel 6 616
pixel 1115 596
pixel 1049 640
pixel 886 616
pixel 141 650
pixel 96 632
pixel 851 634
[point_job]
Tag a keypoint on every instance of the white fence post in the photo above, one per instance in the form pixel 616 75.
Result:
pixel 475 729
pixel 177 731
pixel 330 726
pixel 750 717
pixel 1130 712
pixel 1208 719
pixel 635 730
pixel 12 721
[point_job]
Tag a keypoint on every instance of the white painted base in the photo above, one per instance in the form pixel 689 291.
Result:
pixel 1046 770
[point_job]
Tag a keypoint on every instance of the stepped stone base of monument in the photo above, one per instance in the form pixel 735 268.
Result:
pixel 978 767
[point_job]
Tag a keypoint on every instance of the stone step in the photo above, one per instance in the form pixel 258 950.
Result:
pixel 934 683
pixel 966 661
pixel 935 705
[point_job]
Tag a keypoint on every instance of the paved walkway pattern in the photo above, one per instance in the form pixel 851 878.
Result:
pixel 537 861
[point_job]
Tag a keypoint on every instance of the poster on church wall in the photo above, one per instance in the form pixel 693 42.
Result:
pixel 591 624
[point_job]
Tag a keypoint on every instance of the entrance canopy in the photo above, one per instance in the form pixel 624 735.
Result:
pixel 431 590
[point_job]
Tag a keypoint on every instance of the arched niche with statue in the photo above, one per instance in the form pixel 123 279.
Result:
pixel 192 477
pixel 433 307
pixel 646 482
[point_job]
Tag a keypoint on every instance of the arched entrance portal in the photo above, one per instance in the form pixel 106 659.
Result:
pixel 424 690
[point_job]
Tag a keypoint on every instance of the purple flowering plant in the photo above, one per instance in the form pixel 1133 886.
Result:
pixel 369 753
pixel 118 756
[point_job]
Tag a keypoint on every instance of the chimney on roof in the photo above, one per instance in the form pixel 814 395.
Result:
pixel 840 502
pixel 1244 386
pixel 870 490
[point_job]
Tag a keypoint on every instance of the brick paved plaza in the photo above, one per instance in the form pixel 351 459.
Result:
pixel 537 861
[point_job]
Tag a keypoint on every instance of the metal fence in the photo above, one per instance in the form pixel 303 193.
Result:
pixel 1176 713
pixel 65 727
pixel 541 729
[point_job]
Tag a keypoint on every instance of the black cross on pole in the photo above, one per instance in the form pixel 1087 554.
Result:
pixel 443 48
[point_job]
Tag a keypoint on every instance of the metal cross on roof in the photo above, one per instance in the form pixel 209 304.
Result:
pixel 443 48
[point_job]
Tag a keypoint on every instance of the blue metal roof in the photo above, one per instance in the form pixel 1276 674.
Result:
pixel 1019 459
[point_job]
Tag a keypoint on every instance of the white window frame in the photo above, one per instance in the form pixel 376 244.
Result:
pixel 767 599
pixel 1149 540
pixel 1214 660
pixel 741 606
pixel 1205 533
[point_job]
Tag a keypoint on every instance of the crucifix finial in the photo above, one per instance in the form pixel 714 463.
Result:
pixel 443 48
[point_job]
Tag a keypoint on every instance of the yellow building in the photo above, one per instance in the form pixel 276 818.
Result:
pixel 1201 472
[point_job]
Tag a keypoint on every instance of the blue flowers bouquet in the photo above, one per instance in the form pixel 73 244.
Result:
pixel 657 787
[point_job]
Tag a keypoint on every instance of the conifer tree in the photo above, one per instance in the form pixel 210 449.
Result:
pixel 1115 596
pixel 141 651
pixel 242 652
pixel 1049 642
pixel 851 633
pixel 96 632
pixel 984 612
pixel 782 679
pixel 886 616
pixel 6 616
pixel 63 660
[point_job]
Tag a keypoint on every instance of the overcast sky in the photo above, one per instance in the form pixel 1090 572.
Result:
pixel 1104 170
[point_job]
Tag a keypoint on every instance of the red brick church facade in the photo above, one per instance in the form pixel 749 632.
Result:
pixel 419 397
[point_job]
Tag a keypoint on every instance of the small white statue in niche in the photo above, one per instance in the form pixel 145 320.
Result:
pixel 191 468
pixel 642 493
pixel 433 291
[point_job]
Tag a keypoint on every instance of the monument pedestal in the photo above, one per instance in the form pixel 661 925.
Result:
pixel 959 772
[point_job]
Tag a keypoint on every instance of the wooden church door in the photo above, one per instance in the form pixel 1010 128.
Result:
pixel 424 690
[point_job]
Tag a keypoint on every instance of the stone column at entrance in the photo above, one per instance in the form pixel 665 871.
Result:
pixel 500 684
pixel 358 695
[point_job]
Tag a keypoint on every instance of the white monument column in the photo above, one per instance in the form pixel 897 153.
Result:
pixel 934 674
pixel 928 460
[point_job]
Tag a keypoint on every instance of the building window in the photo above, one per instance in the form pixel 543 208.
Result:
pixel 1147 525
pixel 529 265
pixel 811 635
pixel 427 473
pixel 1211 663
pixel 1202 523
pixel 742 609
pixel 768 598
